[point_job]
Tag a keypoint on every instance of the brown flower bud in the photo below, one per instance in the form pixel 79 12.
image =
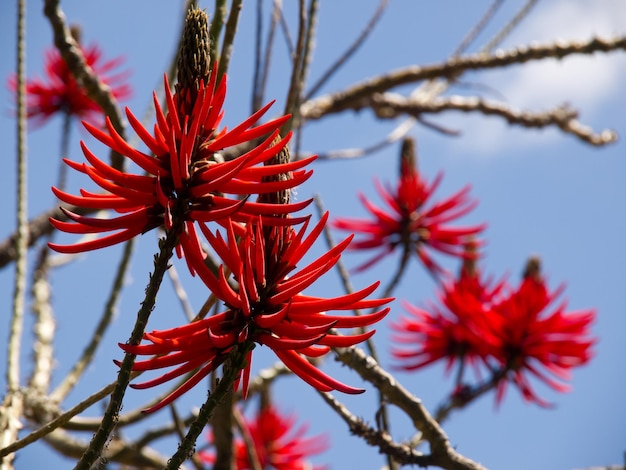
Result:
pixel 408 157
pixel 194 58
pixel 532 268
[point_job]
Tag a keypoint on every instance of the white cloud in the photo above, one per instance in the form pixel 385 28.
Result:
pixel 585 82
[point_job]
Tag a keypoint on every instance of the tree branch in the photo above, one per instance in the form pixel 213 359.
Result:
pixel 391 105
pixel 400 453
pixel 443 453
pixel 353 97
pixel 84 75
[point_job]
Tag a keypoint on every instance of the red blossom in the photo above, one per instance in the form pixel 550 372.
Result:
pixel 182 178
pixel 412 221
pixel 60 93
pixel 277 445
pixel 510 331
pixel 268 307
pixel 532 340
pixel 456 330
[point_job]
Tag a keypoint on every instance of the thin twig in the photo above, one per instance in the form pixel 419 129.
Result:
pixel 400 132
pixel 128 454
pixel 248 440
pixel 289 43
pixel 180 292
pixel 65 144
pixel 161 260
pixel 134 416
pixel 349 53
pixel 257 93
pixel 468 395
pixel 179 425
pixel 309 42
pixel 84 75
pixel 265 378
pixel 478 28
pixel 21 248
pixel 510 26
pixel 12 405
pixel 167 429
pixel 404 261
pixel 307 57
pixel 44 327
pixel 216 28
pixel 430 89
pixel 229 37
pixel 58 421
pixel 35 229
pixel 295 87
pixel 343 273
pixel 231 371
pixel 66 386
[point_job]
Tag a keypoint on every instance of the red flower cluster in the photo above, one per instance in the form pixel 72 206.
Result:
pixel 268 308
pixel 60 92
pixel 184 185
pixel 508 330
pixel 449 331
pixel 184 179
pixel 412 221
pixel 277 445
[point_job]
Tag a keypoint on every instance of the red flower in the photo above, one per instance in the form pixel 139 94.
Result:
pixel 457 330
pixel 507 330
pixel 412 221
pixel 267 308
pixel 182 176
pixel 277 445
pixel 533 341
pixel 61 93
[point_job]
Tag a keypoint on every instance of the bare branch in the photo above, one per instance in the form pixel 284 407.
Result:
pixel 353 97
pixel 292 105
pixel 44 327
pixel 93 86
pixel 180 292
pixel 390 106
pixel 400 453
pixel 442 451
pixel 66 386
pixel 265 378
pixel 229 36
pixel 359 41
pixel 58 421
pixel 510 25
pixel 12 406
pixel 217 23
pixel 119 451
pixel 161 261
pixel 478 28
pixel 222 422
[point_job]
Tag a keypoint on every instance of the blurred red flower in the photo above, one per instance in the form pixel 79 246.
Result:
pixel 456 330
pixel 60 93
pixel 277 445
pixel 531 340
pixel 412 221
pixel 268 307
pixel 183 177
pixel 510 331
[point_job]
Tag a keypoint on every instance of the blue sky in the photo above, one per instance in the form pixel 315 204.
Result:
pixel 541 192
